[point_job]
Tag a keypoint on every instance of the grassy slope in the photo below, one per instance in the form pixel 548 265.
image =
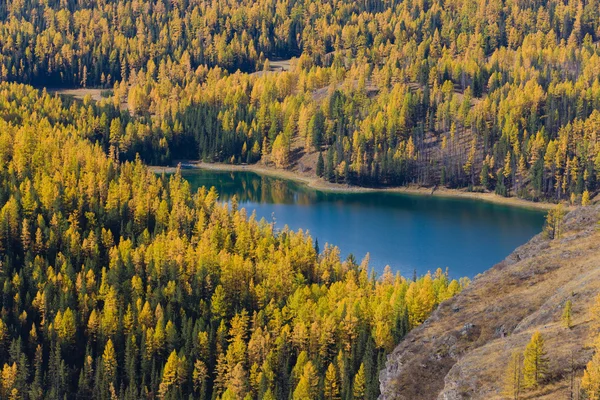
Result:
pixel 462 351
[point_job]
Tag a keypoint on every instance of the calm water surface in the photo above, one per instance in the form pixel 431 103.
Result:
pixel 407 232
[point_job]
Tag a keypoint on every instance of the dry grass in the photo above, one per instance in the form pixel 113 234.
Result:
pixel 95 94
pixel 81 93
pixel 276 66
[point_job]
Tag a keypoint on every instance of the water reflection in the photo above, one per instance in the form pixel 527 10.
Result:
pixel 404 231
pixel 249 187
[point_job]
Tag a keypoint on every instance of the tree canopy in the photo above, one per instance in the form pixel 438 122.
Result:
pixel 120 283
pixel 490 95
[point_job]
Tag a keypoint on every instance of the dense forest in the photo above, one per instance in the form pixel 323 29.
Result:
pixel 491 95
pixel 120 283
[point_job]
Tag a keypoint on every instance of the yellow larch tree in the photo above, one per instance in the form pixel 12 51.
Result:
pixel 535 361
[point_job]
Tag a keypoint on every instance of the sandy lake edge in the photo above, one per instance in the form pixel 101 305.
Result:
pixel 321 185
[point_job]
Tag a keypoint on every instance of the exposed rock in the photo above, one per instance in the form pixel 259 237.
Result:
pixel 463 350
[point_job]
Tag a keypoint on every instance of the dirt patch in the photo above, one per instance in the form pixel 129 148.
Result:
pixel 95 94
pixel 280 65
pixel 275 66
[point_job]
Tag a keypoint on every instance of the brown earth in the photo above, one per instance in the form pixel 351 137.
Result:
pixel 81 93
pixel 275 66
pixel 463 349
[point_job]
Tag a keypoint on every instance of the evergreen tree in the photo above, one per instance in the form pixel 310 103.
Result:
pixel 535 362
pixel 331 390
pixel 585 198
pixel 590 383
pixel 514 376
pixel 567 315
pixel 109 365
pixel 594 313
pixel 320 165
pixel 358 387
pixel 329 171
pixel 554 221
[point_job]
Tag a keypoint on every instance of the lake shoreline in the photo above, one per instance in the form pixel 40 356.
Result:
pixel 321 185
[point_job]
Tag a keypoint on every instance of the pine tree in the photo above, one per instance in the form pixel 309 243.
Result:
pixel 358 388
pixel 507 171
pixel 8 382
pixel 567 314
pixel 169 378
pixel 66 326
pixel 265 148
pixel 332 389
pixel 554 221
pixel 86 376
pixel 585 198
pixel 57 373
pixel 307 385
pixel 514 376
pixel 320 165
pixel 535 362
pixel 36 388
pixel 590 383
pixel 116 132
pixel 238 380
pixel 594 313
pixel 316 128
pixel 468 166
pixel 280 151
pixel 109 363
pixel 109 319
pixel 268 395
pixel 329 172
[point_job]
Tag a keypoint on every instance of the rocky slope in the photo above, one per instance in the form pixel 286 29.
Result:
pixel 463 349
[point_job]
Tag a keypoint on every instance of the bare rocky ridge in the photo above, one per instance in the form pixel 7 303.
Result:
pixel 462 350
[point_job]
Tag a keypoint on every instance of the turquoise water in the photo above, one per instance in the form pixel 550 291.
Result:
pixel 407 232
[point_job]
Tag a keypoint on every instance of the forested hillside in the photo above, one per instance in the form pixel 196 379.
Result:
pixel 119 283
pixel 491 95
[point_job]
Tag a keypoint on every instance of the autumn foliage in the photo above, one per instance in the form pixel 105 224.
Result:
pixel 119 283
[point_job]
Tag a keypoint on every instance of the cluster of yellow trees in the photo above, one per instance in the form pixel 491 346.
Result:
pixel 529 369
pixel 487 95
pixel 590 382
pixel 119 283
